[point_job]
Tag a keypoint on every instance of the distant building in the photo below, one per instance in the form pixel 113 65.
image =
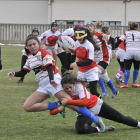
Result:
pixel 115 12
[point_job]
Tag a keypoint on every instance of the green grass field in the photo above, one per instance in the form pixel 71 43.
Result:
pixel 16 124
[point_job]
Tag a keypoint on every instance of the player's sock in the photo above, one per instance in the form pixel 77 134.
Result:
pixel 119 74
pixel 135 75
pixel 101 84
pixel 52 105
pixel 111 86
pixel 85 112
pixel 138 125
pixel 126 76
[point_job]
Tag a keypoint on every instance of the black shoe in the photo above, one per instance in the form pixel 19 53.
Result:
pixel 114 94
pixel 109 128
pixel 20 81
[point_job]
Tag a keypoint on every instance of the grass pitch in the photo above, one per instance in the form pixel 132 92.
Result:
pixel 16 124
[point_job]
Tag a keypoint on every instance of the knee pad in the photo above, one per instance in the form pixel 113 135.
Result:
pixel 105 77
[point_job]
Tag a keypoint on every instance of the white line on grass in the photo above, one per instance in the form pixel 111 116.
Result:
pixel 19 86
pixel 8 69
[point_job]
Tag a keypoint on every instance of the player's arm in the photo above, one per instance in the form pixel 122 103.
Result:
pixel 112 40
pixel 20 73
pixel 118 43
pixel 84 63
pixel 0 64
pixel 78 102
pixel 50 72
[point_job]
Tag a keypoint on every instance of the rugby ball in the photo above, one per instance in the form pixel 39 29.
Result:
pixel 66 43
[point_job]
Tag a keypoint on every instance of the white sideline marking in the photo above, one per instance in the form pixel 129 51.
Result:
pixel 13 44
pixel 19 86
pixel 6 69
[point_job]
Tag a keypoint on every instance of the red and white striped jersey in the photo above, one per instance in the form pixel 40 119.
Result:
pixel 70 32
pixel 101 40
pixel 81 92
pixel 51 38
pixel 122 45
pixel 83 52
pixel 41 59
pixel 132 40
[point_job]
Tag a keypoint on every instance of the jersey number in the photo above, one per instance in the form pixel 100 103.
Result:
pixel 133 37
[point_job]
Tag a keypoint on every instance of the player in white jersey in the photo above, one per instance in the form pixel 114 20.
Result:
pixel 102 58
pixel 132 54
pixel 25 53
pixel 43 65
pixel 50 37
pixel 87 67
pixel 120 55
pixel 80 96
pixel 65 57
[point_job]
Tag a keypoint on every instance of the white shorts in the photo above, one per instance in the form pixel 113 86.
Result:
pixel 47 88
pixel 132 55
pixel 90 75
pixel 96 109
pixel 120 54
pixel 49 48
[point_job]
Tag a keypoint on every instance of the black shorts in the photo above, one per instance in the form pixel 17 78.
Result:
pixel 103 64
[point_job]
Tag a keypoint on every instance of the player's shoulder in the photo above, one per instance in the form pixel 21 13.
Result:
pixel 44 52
pixel 88 44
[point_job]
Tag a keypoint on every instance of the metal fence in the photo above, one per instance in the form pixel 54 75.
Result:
pixel 17 33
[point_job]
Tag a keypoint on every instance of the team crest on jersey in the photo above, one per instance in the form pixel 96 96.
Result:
pixel 46 59
pixel 38 57
pixel 105 37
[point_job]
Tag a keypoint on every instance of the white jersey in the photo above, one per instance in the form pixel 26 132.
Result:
pixel 70 32
pixel 83 52
pixel 79 92
pixel 101 40
pixel 51 38
pixel 39 61
pixel 132 40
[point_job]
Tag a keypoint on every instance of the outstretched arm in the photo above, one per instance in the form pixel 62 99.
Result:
pixel 20 73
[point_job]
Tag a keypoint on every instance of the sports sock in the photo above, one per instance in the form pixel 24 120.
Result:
pixel 52 105
pixel 101 84
pixel 119 74
pixel 126 76
pixel 111 86
pixel 138 125
pixel 135 75
pixel 85 112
